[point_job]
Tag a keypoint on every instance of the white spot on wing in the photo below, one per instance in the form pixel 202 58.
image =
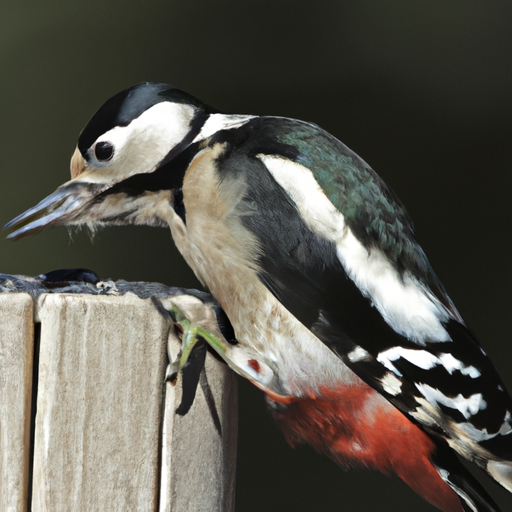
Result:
pixel 466 406
pixel 425 360
pixel 404 304
pixel 387 362
pixel 420 358
pixel 391 384
pixel 475 434
pixel 506 428
pixel 444 473
pixel 451 364
pixel 358 354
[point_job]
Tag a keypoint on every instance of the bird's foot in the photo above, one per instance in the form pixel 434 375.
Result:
pixel 190 335
pixel 236 356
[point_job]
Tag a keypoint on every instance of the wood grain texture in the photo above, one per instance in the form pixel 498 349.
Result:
pixel 16 352
pixel 97 435
pixel 107 436
pixel 199 449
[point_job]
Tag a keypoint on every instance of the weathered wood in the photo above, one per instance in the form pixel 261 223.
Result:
pixel 16 353
pixel 101 369
pixel 199 449
pixel 101 441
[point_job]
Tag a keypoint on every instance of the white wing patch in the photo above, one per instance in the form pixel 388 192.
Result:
pixel 425 360
pixel 420 358
pixel 483 435
pixel 451 364
pixel 401 301
pixel 358 354
pixel 466 406
pixel 505 428
pixel 391 384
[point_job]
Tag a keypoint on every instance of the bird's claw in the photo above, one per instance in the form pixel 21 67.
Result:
pixel 257 371
pixel 190 335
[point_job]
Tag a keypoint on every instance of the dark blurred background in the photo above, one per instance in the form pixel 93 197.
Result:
pixel 421 90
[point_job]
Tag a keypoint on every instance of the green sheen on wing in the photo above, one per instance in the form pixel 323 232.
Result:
pixel 371 210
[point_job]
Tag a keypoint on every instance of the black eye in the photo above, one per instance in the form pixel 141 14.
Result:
pixel 104 151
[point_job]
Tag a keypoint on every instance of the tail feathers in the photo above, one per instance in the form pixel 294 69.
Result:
pixel 501 471
pixel 473 497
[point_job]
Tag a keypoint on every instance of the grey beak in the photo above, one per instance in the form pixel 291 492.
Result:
pixel 65 206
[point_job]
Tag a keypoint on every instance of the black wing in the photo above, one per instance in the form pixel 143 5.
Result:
pixel 303 270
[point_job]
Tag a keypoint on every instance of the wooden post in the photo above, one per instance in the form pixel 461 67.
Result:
pixel 16 355
pixel 105 432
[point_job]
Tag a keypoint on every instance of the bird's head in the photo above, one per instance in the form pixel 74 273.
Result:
pixel 127 152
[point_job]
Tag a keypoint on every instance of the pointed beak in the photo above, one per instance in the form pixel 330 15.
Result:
pixel 69 204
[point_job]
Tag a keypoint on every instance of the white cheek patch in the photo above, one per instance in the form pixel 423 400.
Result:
pixel 466 406
pixel 409 309
pixel 425 360
pixel 140 146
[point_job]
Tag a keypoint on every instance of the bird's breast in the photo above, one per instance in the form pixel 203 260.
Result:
pixel 223 254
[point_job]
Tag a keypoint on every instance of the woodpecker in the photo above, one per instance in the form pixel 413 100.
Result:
pixel 338 315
